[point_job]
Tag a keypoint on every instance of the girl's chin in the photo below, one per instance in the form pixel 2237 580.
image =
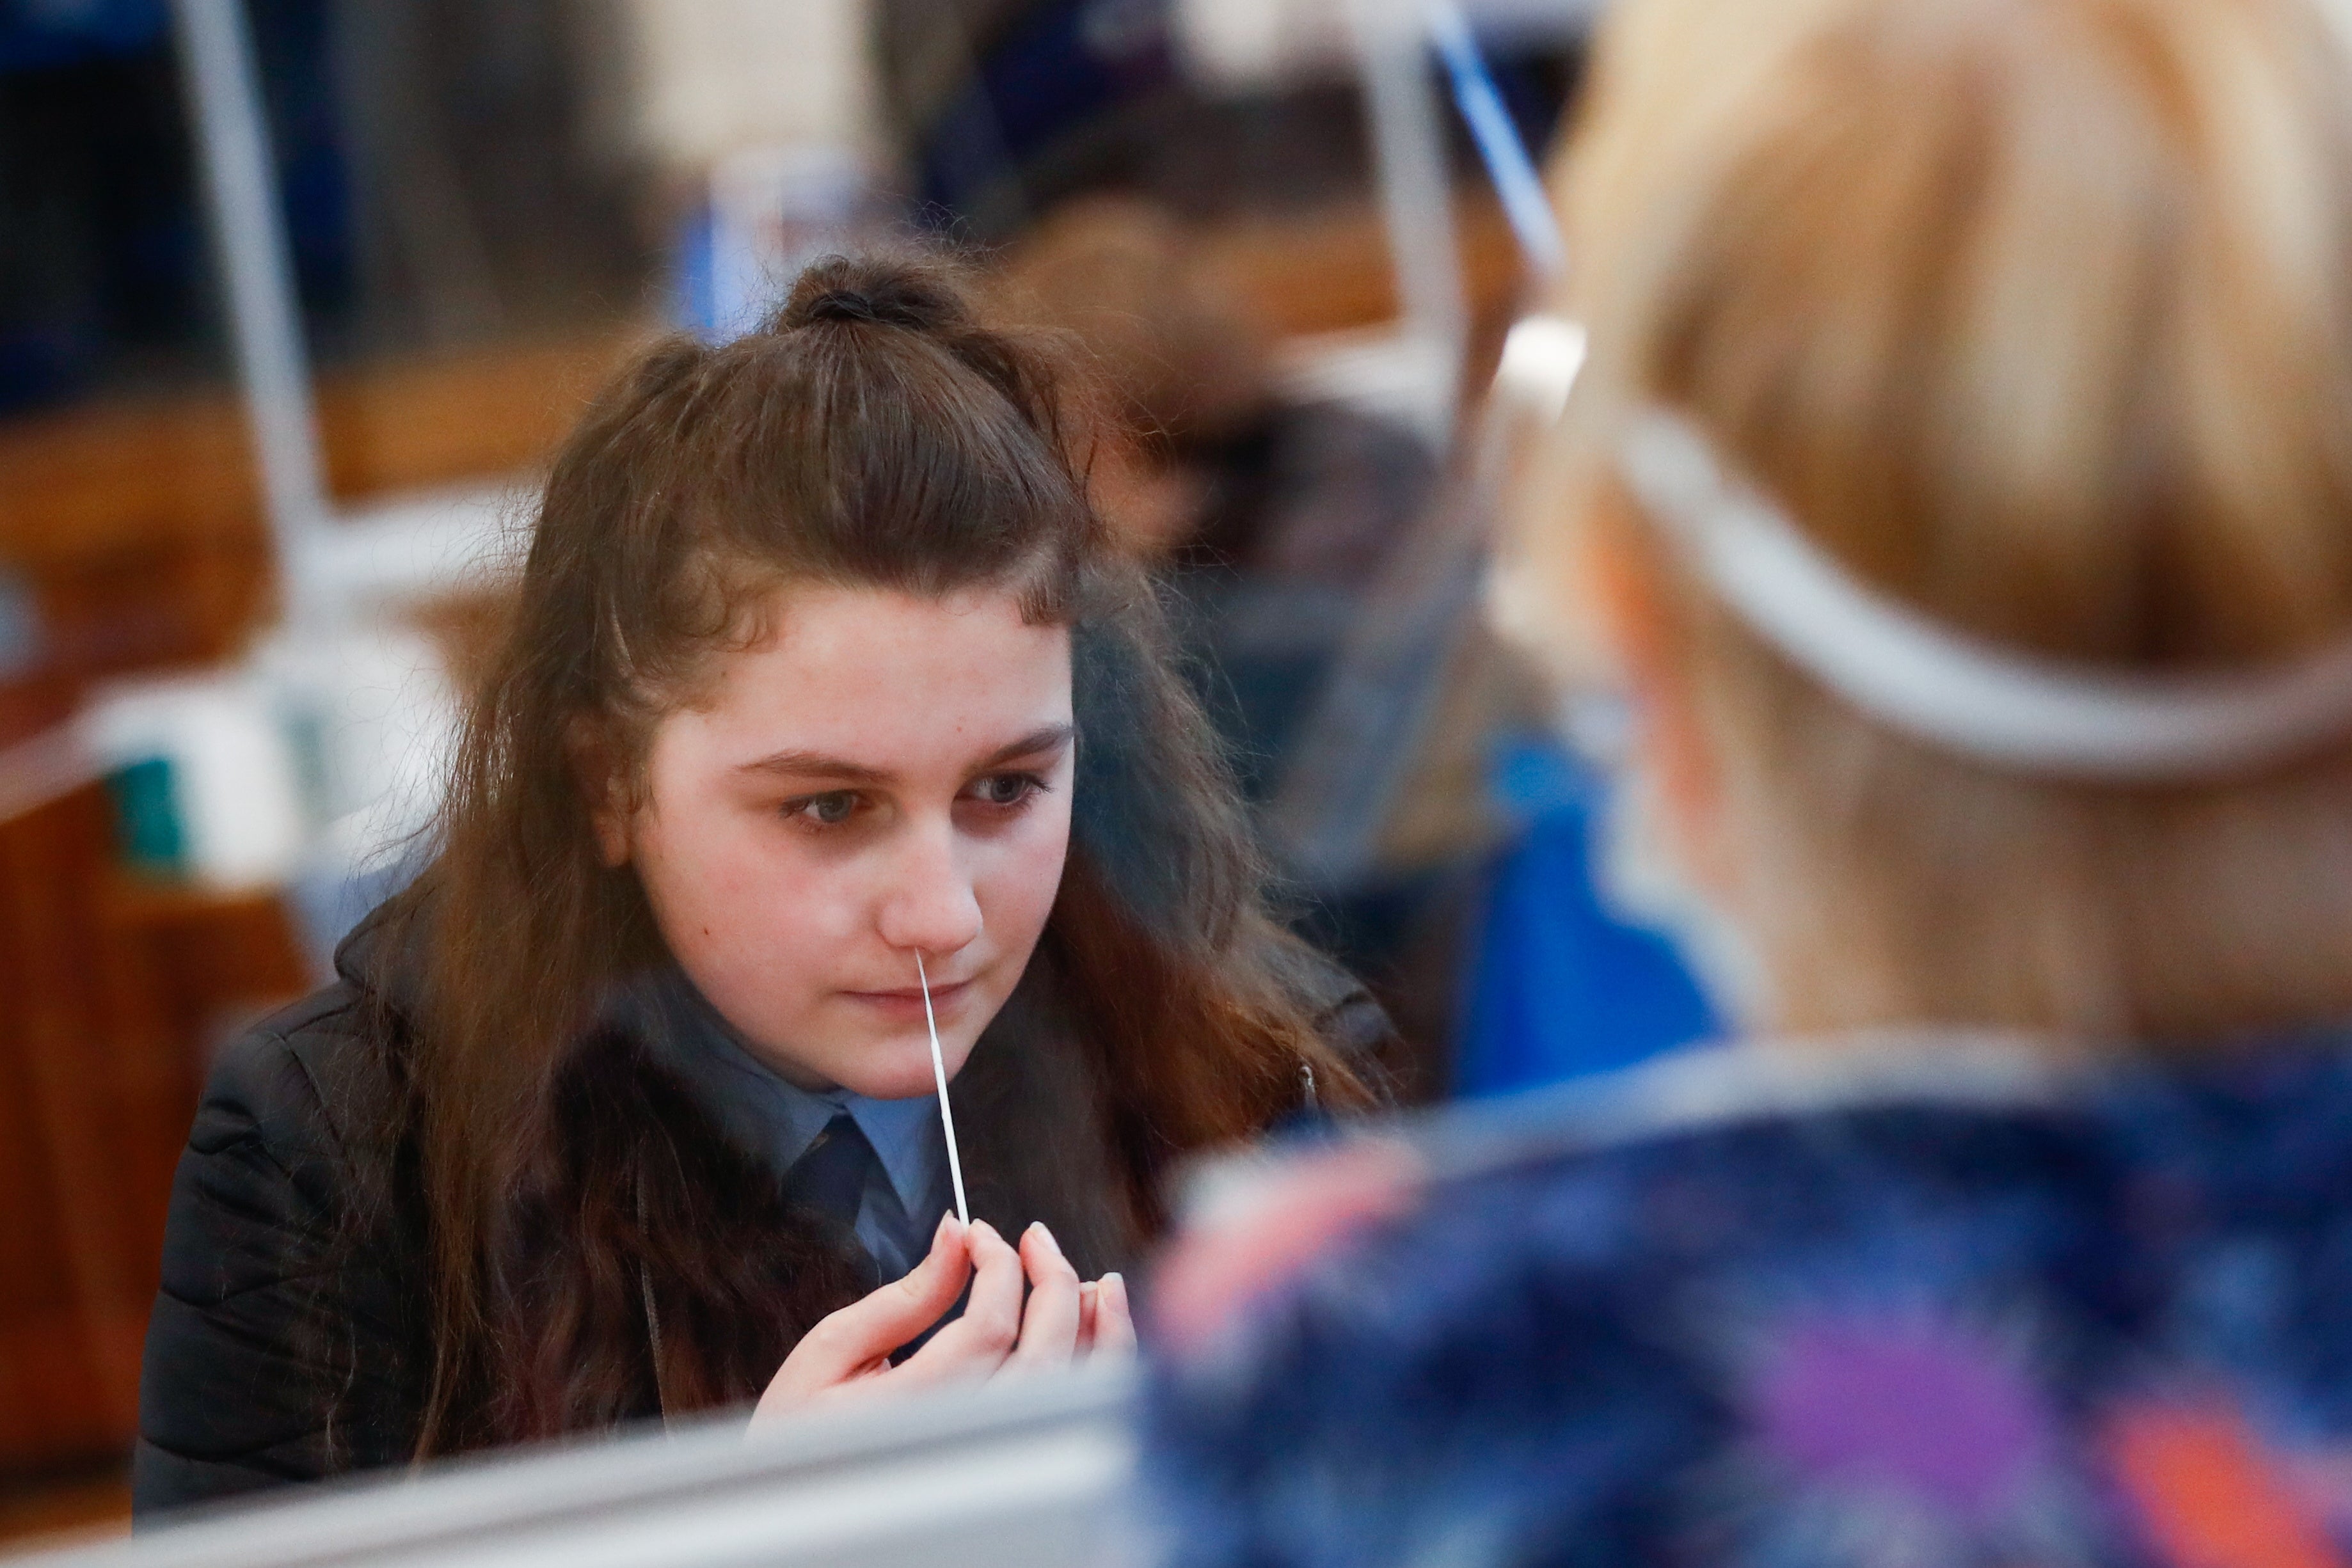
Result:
pixel 893 1073
pixel 880 1064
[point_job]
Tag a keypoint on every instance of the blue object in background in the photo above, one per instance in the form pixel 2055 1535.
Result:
pixel 147 818
pixel 37 34
pixel 1558 986
pixel 106 273
pixel 694 296
pixel 1064 67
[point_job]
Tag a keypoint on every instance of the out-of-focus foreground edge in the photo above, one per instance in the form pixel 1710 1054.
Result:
pixel 1032 1470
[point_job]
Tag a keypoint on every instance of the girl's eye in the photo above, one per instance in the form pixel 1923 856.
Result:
pixel 1003 789
pixel 828 811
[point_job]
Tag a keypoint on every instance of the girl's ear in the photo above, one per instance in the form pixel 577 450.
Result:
pixel 1630 602
pixel 596 770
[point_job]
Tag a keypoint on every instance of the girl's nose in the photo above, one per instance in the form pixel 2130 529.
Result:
pixel 930 904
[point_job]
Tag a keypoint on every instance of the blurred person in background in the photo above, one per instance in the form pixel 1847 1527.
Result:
pixel 1269 514
pixel 1278 522
pixel 826 703
pixel 1275 519
pixel 1961 478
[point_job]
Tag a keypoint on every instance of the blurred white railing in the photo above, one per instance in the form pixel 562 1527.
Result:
pixel 1031 1472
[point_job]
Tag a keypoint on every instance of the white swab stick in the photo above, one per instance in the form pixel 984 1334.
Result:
pixel 940 1073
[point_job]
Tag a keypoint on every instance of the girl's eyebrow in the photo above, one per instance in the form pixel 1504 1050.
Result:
pixel 1046 737
pixel 818 765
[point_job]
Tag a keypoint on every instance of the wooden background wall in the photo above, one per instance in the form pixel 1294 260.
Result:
pixel 138 528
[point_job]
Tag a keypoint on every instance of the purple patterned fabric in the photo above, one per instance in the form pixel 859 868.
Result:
pixel 2107 1324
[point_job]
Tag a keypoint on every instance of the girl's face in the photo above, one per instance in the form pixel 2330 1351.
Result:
pixel 883 776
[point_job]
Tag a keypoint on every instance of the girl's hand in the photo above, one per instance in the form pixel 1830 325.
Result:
pixel 1064 1319
pixel 848 1353
pixel 1106 1326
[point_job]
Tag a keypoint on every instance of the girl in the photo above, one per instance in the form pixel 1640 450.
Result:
pixel 1962 477
pixel 823 685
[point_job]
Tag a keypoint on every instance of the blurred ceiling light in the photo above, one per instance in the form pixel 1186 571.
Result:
pixel 1508 162
pixel 716 77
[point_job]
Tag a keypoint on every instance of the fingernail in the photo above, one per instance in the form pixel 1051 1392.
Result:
pixel 945 1229
pixel 1039 1227
pixel 1116 1278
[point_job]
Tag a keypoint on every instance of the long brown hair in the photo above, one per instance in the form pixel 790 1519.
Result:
pixel 872 433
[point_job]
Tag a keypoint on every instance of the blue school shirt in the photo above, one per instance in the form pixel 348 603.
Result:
pixel 1954 1310
pixel 775 1120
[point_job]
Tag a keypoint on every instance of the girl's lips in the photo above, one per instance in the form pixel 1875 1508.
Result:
pixel 909 999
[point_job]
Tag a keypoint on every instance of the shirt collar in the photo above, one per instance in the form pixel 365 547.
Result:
pixel 766 1115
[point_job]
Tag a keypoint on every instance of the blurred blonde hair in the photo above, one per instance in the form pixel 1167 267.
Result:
pixel 2036 314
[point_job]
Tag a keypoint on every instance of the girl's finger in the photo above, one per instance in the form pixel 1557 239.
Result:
pixel 898 1312
pixel 1087 1294
pixel 852 1341
pixel 1114 1318
pixel 1049 1326
pixel 976 1344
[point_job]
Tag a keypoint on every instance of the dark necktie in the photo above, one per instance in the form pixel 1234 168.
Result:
pixel 832 1176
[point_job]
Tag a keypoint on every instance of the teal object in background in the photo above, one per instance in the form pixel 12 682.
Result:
pixel 147 821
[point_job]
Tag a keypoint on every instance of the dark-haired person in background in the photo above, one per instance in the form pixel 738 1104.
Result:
pixel 823 666
pixel 1270 513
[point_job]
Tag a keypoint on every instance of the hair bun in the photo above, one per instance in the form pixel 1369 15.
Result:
pixel 911 295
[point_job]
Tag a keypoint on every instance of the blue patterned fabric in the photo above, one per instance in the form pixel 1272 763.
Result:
pixel 2103 1320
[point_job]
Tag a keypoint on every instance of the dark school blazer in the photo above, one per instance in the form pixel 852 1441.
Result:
pixel 288 1341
